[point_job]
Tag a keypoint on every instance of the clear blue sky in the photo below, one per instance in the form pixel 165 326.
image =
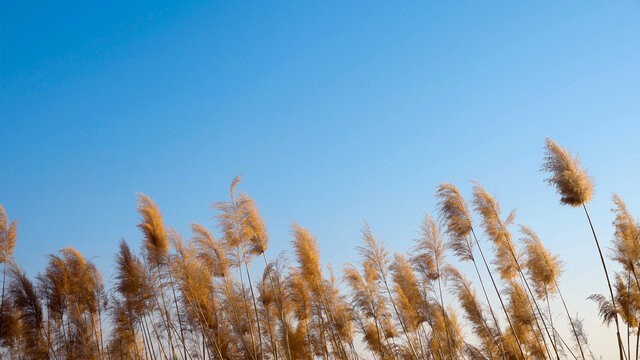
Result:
pixel 335 112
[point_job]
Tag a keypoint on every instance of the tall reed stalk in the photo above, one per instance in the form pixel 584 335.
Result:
pixel 377 255
pixel 576 189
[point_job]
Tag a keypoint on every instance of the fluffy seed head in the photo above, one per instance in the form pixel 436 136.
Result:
pixel 542 267
pixel 8 234
pixel 156 242
pixel 210 252
pixel 254 228
pixel 565 173
pixel 626 241
pixel 306 249
pixel 455 215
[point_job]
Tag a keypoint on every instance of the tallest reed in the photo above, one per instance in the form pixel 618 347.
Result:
pixel 576 189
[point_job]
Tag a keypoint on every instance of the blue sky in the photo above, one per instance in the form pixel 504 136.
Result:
pixel 334 112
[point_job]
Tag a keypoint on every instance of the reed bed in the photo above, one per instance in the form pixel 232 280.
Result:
pixel 198 297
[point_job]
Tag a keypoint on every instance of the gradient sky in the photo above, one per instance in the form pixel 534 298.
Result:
pixel 334 112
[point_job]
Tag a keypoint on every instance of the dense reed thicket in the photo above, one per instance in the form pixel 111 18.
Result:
pixel 198 298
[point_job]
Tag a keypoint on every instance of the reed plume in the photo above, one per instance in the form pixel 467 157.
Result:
pixel 156 242
pixel 341 316
pixel 255 231
pixel 576 189
pixel 407 292
pixel 489 336
pixel 308 258
pixel 542 267
pixel 210 252
pixel 626 238
pixel 306 251
pixel 375 254
pixel 366 300
pixel 454 213
pixel 524 320
pixel 268 297
pixel 567 175
pixel 507 257
pixel 445 326
pixel 254 228
pixel 132 282
pixel 54 286
pixel 431 246
pixel 155 249
pixel 123 341
pixel 213 255
pixel 371 337
pixel 75 300
pixel 606 309
pixel 134 300
pixel 26 302
pixel 8 234
pixel 496 230
pixel 86 293
pixel 243 230
pixel 628 300
pixel 412 301
pixel 626 252
pixel 276 273
pixel 543 270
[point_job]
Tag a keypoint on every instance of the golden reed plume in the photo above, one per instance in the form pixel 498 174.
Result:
pixel 576 189
pixel 566 174
pixel 156 242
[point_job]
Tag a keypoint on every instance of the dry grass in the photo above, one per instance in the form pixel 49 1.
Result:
pixel 195 298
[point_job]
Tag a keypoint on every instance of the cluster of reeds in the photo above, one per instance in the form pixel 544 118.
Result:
pixel 198 297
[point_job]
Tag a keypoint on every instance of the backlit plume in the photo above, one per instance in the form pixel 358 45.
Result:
pixel 566 174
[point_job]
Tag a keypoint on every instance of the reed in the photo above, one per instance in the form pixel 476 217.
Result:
pixel 544 271
pixel 626 252
pixel 375 254
pixel 8 234
pixel 507 258
pixel 576 189
pixel 455 214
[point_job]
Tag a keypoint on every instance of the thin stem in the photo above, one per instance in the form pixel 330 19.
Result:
pixel 573 326
pixel 280 311
pixel 444 314
pixel 404 329
pixel 255 305
pixel 493 315
pixel 535 317
pixel 553 330
pixel 4 271
pixel 234 324
pixel 637 340
pixel 513 331
pixel 606 274
pixel 175 300
pixel 628 316
pixel 164 313
pixel 246 309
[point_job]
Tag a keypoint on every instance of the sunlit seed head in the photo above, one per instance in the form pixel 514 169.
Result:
pixel 566 174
